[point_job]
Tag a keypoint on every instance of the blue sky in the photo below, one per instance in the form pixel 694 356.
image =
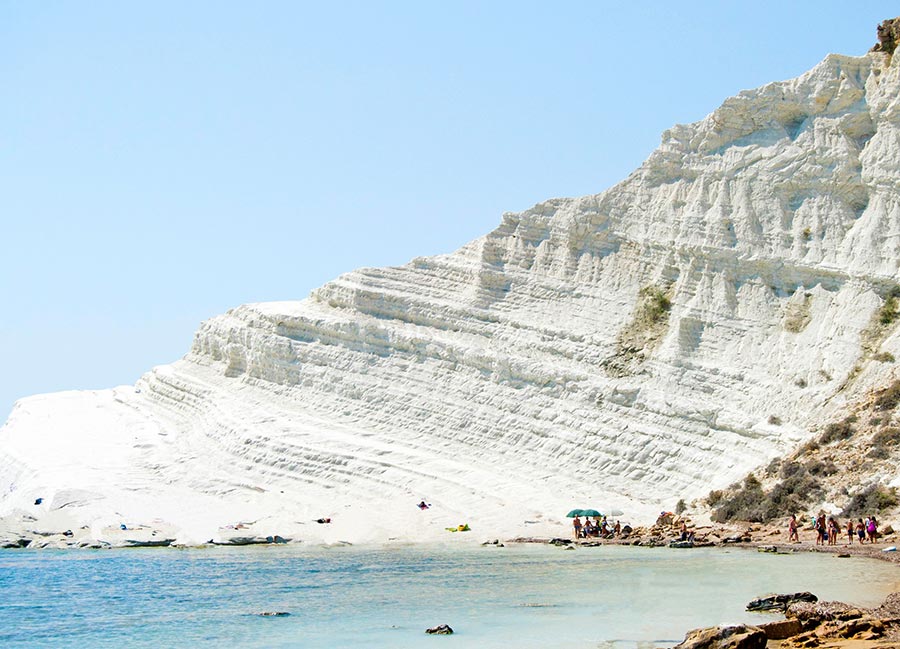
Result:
pixel 162 163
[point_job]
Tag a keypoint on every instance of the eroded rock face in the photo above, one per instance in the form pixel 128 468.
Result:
pixel 739 636
pixel 665 336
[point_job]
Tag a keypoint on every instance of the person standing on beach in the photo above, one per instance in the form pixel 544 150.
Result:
pixel 850 531
pixel 861 531
pixel 792 530
pixel 872 529
pixel 820 530
pixel 577 525
pixel 833 531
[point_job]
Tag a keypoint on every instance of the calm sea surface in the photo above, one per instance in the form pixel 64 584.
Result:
pixel 523 596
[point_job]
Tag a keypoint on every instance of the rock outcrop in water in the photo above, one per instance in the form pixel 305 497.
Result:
pixel 629 348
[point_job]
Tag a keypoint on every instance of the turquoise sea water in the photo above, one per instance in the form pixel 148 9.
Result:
pixel 523 596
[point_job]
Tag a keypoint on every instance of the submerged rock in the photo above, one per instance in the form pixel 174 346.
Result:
pixel 442 629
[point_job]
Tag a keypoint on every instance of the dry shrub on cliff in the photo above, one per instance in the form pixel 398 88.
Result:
pixel 872 500
pixel 843 429
pixel 750 502
pixel 883 441
pixel 888 398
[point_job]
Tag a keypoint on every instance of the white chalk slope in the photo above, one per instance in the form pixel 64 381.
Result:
pixel 521 376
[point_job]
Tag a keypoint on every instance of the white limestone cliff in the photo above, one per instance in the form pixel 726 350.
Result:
pixel 627 349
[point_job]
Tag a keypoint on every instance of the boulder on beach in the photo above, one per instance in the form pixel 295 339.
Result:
pixel 780 602
pixel 782 629
pixel 739 636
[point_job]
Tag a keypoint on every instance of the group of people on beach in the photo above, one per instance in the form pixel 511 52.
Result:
pixel 829 530
pixel 599 528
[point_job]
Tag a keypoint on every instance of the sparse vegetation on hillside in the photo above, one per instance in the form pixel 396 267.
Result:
pixel 874 499
pixel 828 467
pixel 655 305
pixel 647 327
pixel 888 398
pixel 889 311
pixel 843 429
pixel 798 314
pixel 881 324
pixel 750 502
pixel 882 443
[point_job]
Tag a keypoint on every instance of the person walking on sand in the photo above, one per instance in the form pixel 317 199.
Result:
pixel 872 529
pixel 792 530
pixel 861 531
pixel 577 525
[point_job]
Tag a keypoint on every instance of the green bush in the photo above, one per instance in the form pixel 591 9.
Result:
pixel 884 357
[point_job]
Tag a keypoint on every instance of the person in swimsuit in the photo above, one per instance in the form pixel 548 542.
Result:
pixel 850 531
pixel 577 525
pixel 872 529
pixel 792 530
pixel 821 532
pixel 861 531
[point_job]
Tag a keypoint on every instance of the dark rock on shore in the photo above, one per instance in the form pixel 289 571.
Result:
pixel 148 543
pixel 681 544
pixel 780 602
pixel 7 544
pixel 442 629
pixel 252 540
pixel 740 636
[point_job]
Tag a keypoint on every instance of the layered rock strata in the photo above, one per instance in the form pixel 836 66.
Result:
pixel 627 349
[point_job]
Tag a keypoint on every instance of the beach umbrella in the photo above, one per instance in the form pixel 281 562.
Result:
pixel 574 513
pixel 614 511
pixel 590 512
